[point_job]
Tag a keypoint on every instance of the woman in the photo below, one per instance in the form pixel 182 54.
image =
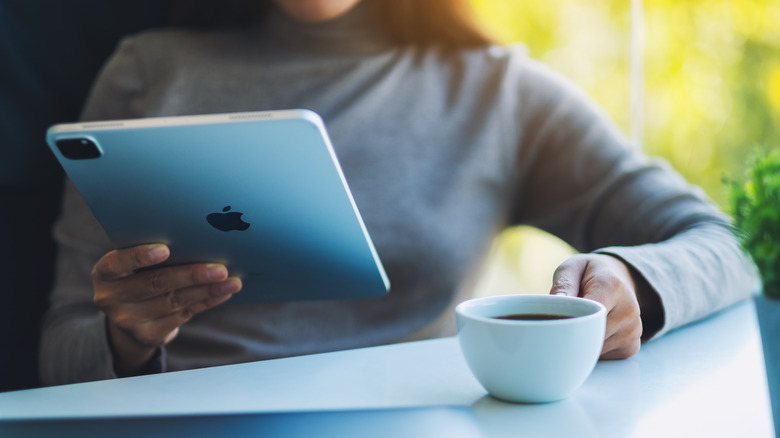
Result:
pixel 445 140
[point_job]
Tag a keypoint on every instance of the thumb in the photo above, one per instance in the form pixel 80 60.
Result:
pixel 568 276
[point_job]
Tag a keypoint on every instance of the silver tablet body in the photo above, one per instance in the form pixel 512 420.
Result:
pixel 261 192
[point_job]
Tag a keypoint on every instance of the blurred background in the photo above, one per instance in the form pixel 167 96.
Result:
pixel 696 82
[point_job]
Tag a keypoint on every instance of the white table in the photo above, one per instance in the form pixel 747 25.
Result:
pixel 705 380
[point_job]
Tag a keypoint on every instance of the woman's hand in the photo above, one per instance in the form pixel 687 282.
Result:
pixel 607 280
pixel 145 309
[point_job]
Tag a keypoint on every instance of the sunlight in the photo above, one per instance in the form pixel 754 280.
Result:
pixel 711 86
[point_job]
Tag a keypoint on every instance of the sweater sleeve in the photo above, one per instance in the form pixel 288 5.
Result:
pixel 583 182
pixel 74 342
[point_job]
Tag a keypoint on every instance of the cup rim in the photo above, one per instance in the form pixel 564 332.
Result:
pixel 462 309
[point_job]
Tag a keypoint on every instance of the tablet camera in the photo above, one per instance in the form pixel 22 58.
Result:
pixel 78 148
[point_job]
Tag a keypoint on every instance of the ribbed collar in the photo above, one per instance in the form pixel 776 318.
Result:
pixel 358 32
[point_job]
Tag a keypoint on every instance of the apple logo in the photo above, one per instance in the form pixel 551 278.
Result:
pixel 227 221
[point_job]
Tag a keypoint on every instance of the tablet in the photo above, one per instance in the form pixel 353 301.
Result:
pixel 261 192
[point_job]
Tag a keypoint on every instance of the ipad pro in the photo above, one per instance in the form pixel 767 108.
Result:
pixel 261 192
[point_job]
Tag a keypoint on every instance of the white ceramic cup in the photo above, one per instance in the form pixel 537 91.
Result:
pixel 534 361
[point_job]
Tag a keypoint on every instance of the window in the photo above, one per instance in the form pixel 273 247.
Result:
pixel 701 86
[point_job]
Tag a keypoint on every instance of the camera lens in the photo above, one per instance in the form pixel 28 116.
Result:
pixel 78 148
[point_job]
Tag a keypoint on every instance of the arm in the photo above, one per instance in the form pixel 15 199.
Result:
pixel 107 318
pixel 581 181
pixel 74 329
pixel 74 343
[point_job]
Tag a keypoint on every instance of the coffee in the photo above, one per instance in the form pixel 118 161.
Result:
pixel 532 317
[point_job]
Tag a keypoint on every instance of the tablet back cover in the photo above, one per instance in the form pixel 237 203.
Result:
pixel 261 192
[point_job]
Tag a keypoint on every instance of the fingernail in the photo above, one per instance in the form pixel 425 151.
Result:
pixel 216 272
pixel 158 253
pixel 231 286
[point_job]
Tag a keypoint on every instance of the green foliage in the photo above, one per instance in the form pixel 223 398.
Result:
pixel 755 206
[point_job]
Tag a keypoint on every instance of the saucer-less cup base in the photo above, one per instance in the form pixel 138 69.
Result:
pixel 531 361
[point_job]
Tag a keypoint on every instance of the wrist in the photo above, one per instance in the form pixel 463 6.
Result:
pixel 130 357
pixel 650 306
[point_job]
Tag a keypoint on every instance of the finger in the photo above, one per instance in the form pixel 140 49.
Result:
pixel 616 296
pixel 622 352
pixel 621 323
pixel 568 277
pixel 624 343
pixel 149 284
pixel 609 282
pixel 600 284
pixel 179 300
pixel 625 325
pixel 160 331
pixel 120 263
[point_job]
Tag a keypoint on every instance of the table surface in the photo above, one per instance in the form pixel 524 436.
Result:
pixel 706 379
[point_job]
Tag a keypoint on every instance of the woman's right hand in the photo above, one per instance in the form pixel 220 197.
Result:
pixel 145 309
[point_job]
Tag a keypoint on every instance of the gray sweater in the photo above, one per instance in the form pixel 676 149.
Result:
pixel 442 150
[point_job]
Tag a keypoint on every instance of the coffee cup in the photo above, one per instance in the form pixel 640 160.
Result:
pixel 531 348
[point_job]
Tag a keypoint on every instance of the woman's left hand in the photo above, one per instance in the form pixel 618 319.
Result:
pixel 608 280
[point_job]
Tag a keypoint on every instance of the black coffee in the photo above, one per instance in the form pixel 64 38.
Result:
pixel 532 317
